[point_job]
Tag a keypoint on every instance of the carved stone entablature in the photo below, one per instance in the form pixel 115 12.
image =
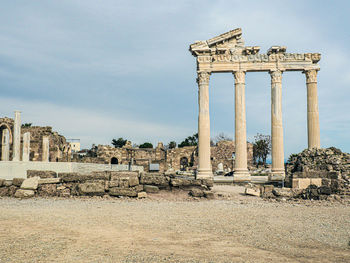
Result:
pixel 227 53
pixel 276 76
pixel 311 76
pixel 203 78
pixel 276 50
pixel 239 77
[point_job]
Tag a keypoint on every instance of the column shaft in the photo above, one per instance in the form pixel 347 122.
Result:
pixel 277 126
pixel 5 149
pixel 313 123
pixel 46 149
pixel 204 162
pixel 26 147
pixel 17 137
pixel 240 171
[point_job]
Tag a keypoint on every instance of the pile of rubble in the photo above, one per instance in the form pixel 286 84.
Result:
pixel 129 184
pixel 330 167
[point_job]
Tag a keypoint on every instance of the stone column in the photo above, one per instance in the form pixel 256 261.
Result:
pixel 313 123
pixel 26 147
pixel 46 149
pixel 17 137
pixel 204 163
pixel 277 152
pixel 241 172
pixel 5 149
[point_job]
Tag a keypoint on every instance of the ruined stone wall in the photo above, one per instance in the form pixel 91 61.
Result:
pixel 171 158
pixel 59 148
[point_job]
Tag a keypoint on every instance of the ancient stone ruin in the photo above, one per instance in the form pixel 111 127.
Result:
pixel 227 53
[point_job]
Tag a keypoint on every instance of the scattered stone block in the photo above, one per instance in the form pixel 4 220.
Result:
pixel 61 187
pixel 195 192
pixel 64 193
pixel 4 191
pixel 316 181
pixel 7 183
pixel 2 182
pixel 252 191
pixel 22 193
pixel 142 195
pixel 49 181
pixel 41 174
pixel 47 190
pixel 209 194
pixel 12 190
pixel 151 189
pixel 154 179
pixel 30 183
pixel 92 188
pixel 208 182
pixel 268 188
pixel 283 192
pixel 301 183
pixel 17 181
pixel 118 191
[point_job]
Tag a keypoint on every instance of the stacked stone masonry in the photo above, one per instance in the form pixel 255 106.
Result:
pixel 124 183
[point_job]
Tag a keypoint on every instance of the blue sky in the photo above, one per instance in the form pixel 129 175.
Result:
pixel 98 70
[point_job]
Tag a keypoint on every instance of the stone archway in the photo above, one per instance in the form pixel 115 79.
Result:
pixel 114 160
pixel 5 141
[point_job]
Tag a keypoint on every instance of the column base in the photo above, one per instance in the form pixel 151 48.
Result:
pixel 204 174
pixel 277 176
pixel 241 176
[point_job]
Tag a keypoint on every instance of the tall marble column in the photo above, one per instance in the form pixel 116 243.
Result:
pixel 313 123
pixel 46 149
pixel 5 148
pixel 277 152
pixel 17 137
pixel 204 163
pixel 241 172
pixel 26 147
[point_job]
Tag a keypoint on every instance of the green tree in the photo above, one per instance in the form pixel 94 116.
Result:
pixel 189 141
pixel 261 148
pixel 146 145
pixel 118 143
pixel 26 125
pixel 172 145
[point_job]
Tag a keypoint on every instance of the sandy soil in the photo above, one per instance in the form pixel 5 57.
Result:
pixel 173 228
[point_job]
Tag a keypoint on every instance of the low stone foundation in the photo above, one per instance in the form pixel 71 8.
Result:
pixel 112 183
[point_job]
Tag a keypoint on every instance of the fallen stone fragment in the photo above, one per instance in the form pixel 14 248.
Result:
pixel 208 194
pixel 117 191
pixel 49 181
pixel 30 183
pixel 141 195
pixel 195 192
pixel 7 183
pixel 92 188
pixel 17 181
pixel 252 191
pixel 150 189
pixel 22 193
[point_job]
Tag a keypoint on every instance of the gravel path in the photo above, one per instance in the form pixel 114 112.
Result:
pixel 159 229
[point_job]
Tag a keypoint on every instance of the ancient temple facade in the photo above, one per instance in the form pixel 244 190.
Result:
pixel 227 53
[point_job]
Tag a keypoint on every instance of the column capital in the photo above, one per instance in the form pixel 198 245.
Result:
pixel 203 77
pixel 276 76
pixel 311 75
pixel 239 76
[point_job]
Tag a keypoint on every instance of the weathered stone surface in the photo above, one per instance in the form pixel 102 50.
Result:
pixel 17 181
pixel 252 191
pixel 49 181
pixel 4 191
pixel 184 181
pixel 12 190
pixel 209 194
pixel 64 192
pixel 2 182
pixel 47 190
pixel 196 192
pixel 208 182
pixel 7 183
pixel 151 189
pixel 283 192
pixel 76 177
pixel 142 195
pixel 22 193
pixel 118 191
pixel 41 174
pixel 30 183
pixel 154 179
pixel 92 188
pixel 124 179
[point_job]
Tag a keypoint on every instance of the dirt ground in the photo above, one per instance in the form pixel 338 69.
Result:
pixel 173 228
